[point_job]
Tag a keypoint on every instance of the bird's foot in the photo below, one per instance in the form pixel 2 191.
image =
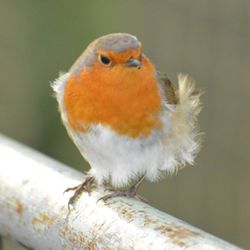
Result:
pixel 84 187
pixel 131 193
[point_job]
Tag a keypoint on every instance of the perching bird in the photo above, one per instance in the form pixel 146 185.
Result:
pixel 127 121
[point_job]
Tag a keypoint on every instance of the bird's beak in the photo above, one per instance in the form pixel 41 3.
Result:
pixel 132 62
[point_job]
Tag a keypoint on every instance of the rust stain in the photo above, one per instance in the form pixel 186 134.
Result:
pixel 42 222
pixel 91 245
pixel 42 218
pixel 73 238
pixel 19 207
pixel 148 220
pixel 185 233
pixel 81 239
pixel 177 234
pixel 127 213
pixel 180 243
pixel 76 239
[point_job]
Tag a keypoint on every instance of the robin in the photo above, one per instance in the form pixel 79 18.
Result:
pixel 127 120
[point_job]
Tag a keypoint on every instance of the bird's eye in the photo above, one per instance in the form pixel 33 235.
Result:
pixel 105 59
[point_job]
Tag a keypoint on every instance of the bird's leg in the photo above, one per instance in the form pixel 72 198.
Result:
pixel 131 192
pixel 85 186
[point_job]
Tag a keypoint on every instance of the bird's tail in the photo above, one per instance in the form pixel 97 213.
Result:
pixel 184 138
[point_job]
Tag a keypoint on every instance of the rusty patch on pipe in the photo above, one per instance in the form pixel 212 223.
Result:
pixel 91 245
pixel 76 239
pixel 81 239
pixel 19 207
pixel 177 234
pixel 148 220
pixel 42 218
pixel 73 238
pixel 42 222
pixel 127 213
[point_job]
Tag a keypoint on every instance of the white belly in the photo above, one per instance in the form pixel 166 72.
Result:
pixel 121 158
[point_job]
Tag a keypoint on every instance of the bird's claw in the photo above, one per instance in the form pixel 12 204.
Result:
pixel 127 194
pixel 85 186
pixel 130 193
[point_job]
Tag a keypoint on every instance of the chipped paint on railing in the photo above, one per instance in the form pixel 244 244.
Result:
pixel 33 211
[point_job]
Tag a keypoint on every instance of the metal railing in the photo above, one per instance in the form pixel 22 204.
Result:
pixel 33 211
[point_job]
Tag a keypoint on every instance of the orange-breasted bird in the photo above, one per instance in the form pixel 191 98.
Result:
pixel 127 120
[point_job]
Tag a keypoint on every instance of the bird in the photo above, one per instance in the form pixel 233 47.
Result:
pixel 128 120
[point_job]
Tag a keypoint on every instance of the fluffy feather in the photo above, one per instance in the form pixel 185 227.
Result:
pixel 183 139
pixel 121 159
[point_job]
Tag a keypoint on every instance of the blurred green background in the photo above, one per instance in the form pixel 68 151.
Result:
pixel 210 40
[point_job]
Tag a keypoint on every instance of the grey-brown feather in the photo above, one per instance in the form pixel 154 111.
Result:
pixel 117 42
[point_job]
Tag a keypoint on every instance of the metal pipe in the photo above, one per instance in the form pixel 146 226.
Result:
pixel 33 211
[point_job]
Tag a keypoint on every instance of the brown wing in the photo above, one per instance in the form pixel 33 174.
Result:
pixel 170 90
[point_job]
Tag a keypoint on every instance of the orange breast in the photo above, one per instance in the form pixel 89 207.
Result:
pixel 125 99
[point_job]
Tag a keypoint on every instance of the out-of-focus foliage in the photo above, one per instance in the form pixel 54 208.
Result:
pixel 208 39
